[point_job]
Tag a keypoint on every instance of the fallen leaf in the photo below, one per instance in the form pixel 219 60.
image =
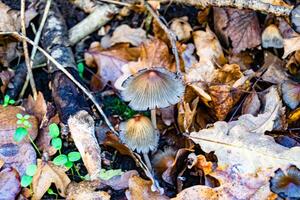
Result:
pixel 186 114
pixel 228 74
pixel 17 156
pixel 251 104
pixel 140 189
pixel 181 28
pixel 241 27
pixel 291 45
pixel 37 107
pixel 187 56
pixel 5 77
pixel 86 190
pixel 167 115
pixel 291 93
pixel 244 59
pixel 294 116
pixel 9 183
pixel 8 124
pixel 234 141
pixel 120 182
pixel 125 34
pixel 200 162
pixel 46 174
pixel 108 62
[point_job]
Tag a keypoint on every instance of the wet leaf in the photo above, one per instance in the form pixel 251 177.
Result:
pixel 60 159
pixel 53 130
pixel 74 156
pixel 48 173
pixel 241 27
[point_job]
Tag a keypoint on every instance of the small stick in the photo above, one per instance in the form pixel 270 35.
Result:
pixel 60 67
pixel 170 34
pixel 26 54
pixel 117 3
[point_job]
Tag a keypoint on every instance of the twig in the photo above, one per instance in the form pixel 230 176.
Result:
pixel 60 67
pixel 26 54
pixel 170 34
pixel 117 3
pixel 36 41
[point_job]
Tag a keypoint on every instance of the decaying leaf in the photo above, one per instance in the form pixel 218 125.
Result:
pixel 9 183
pixel 46 174
pixel 234 141
pixel 5 77
pixel 86 190
pixel 37 107
pixel 251 104
pixel 140 189
pixel 291 45
pixel 200 162
pixel 240 27
pixel 18 156
pixel 291 93
pixel 109 62
pixel 120 182
pixel 182 28
pixel 186 114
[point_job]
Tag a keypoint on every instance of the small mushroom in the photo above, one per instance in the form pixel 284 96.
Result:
pixel 295 18
pixel 271 37
pixel 152 88
pixel 286 185
pixel 139 134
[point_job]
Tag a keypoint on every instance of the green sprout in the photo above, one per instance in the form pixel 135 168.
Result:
pixel 80 68
pixel 26 179
pixel 8 101
pixel 51 192
pixel 22 131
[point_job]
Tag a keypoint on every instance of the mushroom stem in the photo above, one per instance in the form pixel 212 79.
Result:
pixel 153 118
pixel 147 160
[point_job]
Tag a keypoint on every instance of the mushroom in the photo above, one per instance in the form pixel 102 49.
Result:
pixel 139 134
pixel 152 88
pixel 271 37
pixel 295 18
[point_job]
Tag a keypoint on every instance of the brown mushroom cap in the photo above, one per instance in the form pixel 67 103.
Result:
pixel 152 88
pixel 271 37
pixel 139 134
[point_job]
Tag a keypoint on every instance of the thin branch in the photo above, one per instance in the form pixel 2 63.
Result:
pixel 26 54
pixel 60 67
pixel 170 34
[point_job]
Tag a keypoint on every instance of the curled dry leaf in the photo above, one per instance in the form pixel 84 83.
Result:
pixel 182 28
pixel 17 156
pixel 86 190
pixel 234 141
pixel 275 72
pixel 125 34
pixel 241 27
pixel 251 104
pixel 140 189
pixel 108 62
pixel 46 174
pixel 8 124
pixel 291 93
pixel 186 114
pixel 9 183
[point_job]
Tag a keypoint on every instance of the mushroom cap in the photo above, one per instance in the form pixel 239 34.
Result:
pixel 295 18
pixel 152 88
pixel 139 134
pixel 271 37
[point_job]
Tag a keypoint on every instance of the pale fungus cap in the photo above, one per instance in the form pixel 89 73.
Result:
pixel 271 37
pixel 139 134
pixel 152 88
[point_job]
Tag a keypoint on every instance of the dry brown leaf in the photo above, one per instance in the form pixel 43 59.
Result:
pixel 8 124
pixel 251 104
pixel 37 107
pixel 186 115
pixel 167 115
pixel 181 28
pixel 5 77
pixel 228 74
pixel 17 156
pixel 9 184
pixel 200 162
pixel 294 116
pixel 86 190
pixel 140 189
pixel 125 34
pixel 108 62
pixel 291 45
pixel 241 27
pixel 244 59
pixel 291 93
pixel 48 173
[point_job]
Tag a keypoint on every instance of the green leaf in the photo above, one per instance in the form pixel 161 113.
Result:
pixel 19 121
pixel 20 133
pixel 74 156
pixel 60 160
pixel 69 164
pixel 80 68
pixel 50 191
pixel 11 102
pixel 31 169
pixel 19 116
pixel 53 130
pixel 56 143
pixel 26 116
pixel 108 174
pixel 26 180
pixel 26 123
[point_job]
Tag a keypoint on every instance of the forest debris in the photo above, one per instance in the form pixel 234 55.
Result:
pixel 241 27
pixel 46 174
pixel 200 162
pixel 187 56
pixel 86 190
pixel 248 133
pixel 8 124
pixel 120 182
pixel 83 133
pixel 109 62
pixel 9 183
pixel 140 189
pixel 17 156
pixel 186 114
pixel 291 93
pixel 87 6
pixel 291 45
pixel 125 34
pixel 251 104
pixel 100 16
pixel 37 107
pixel 181 28
pixel 5 77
